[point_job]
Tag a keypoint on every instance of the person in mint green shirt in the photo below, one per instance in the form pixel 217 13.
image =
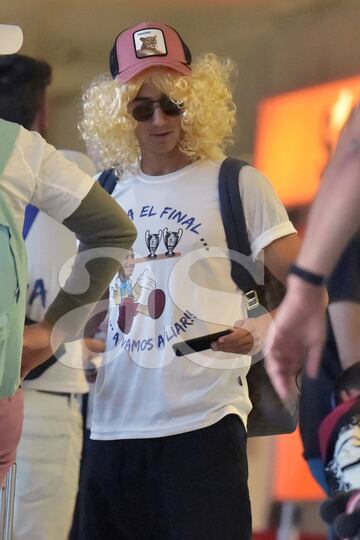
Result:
pixel 32 171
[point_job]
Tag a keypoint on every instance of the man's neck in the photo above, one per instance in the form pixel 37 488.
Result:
pixel 158 165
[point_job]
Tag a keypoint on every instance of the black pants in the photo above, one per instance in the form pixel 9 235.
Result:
pixel 191 486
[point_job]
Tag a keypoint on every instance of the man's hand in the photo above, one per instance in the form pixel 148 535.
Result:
pixel 92 348
pixel 248 336
pixel 296 336
pixel 36 346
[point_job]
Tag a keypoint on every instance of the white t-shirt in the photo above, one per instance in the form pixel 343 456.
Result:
pixel 49 246
pixel 179 288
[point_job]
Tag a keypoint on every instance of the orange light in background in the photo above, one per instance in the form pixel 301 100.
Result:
pixel 296 133
pixel 292 479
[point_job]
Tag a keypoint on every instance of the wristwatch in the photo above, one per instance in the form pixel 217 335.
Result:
pixel 318 280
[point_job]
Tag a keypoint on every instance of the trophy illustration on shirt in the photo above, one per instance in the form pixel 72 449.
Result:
pixel 152 241
pixel 171 240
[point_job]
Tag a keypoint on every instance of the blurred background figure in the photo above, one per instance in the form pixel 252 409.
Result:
pixel 49 452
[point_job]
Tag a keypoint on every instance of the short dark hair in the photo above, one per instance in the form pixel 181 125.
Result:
pixel 23 82
pixel 348 380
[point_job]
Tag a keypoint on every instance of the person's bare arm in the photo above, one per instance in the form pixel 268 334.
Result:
pixel 345 319
pixel 335 215
pixel 298 333
pixel 280 254
pixel 249 335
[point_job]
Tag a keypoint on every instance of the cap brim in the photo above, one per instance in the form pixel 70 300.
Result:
pixel 11 38
pixel 134 70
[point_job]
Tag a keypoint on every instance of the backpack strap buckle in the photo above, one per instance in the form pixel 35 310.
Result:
pixel 252 299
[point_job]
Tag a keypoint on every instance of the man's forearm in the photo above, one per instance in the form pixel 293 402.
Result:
pixel 335 215
pixel 333 220
pixel 99 223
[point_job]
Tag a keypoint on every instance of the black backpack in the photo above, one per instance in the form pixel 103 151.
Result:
pixel 268 415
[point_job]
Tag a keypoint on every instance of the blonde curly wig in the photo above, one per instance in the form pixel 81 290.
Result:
pixel 207 121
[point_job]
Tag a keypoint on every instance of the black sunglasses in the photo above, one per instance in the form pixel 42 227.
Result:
pixel 145 109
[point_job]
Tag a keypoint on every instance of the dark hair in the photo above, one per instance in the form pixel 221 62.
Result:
pixel 348 380
pixel 23 82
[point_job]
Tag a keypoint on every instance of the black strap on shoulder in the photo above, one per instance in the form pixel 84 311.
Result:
pixel 108 180
pixel 233 218
pixel 231 207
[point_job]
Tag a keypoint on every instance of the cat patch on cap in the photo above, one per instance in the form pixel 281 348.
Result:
pixel 149 42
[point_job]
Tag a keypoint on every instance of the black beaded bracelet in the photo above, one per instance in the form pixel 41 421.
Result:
pixel 310 277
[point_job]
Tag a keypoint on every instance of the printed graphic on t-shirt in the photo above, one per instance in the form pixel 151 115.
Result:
pixel 138 295
pixel 142 296
pixel 170 238
pixel 169 289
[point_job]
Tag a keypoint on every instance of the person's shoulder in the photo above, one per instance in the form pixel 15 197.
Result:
pixel 7 126
pixel 254 185
pixel 25 138
pixel 250 176
pixel 30 141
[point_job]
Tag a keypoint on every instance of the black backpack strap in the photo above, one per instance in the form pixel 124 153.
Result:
pixel 108 180
pixel 233 218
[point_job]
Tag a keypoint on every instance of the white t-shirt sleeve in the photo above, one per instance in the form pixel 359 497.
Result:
pixel 60 185
pixel 265 215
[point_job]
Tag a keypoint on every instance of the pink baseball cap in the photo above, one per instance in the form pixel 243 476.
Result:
pixel 146 45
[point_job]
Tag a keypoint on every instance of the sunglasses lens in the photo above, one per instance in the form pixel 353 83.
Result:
pixel 169 107
pixel 143 111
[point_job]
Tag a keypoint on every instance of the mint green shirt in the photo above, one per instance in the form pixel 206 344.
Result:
pixel 12 277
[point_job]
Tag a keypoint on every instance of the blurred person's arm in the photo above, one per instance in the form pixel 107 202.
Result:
pixel 344 307
pixel 298 333
pixel 345 318
pixel 335 215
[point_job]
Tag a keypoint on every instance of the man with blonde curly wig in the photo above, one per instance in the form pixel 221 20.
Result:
pixel 167 458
